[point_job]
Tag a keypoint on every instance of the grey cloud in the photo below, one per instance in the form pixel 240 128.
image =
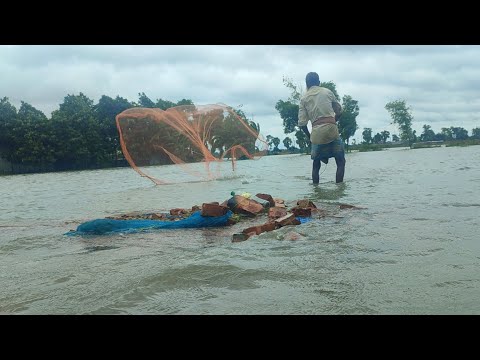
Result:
pixel 438 82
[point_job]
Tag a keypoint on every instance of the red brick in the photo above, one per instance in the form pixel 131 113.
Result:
pixel 297 211
pixel 305 203
pixel 266 197
pixel 178 211
pixel 269 226
pixel 288 219
pixel 212 209
pixel 253 229
pixel 239 237
pixel 246 206
pixel 276 212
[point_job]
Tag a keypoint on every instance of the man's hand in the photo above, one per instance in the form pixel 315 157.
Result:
pixel 305 130
pixel 337 108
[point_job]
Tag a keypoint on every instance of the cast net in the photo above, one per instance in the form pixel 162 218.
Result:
pixel 188 137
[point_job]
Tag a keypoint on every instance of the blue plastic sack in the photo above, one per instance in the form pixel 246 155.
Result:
pixel 108 226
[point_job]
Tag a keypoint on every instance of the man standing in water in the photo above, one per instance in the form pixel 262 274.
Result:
pixel 320 106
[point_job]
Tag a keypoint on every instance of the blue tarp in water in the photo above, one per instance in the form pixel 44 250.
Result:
pixel 107 226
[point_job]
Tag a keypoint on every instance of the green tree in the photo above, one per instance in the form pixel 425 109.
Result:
pixel 289 114
pixel 447 134
pixel 439 137
pixel 289 109
pixel 302 141
pixel 269 139
pixel 107 108
pixel 78 136
pixel 166 104
pixel 347 125
pixel 395 138
pixel 145 101
pixel 8 120
pixel 367 135
pixel 33 138
pixel 247 139
pixel 229 131
pixel 476 133
pixel 276 142
pixel 332 87
pixel 377 139
pixel 105 112
pixel 428 134
pixel 184 102
pixel 385 135
pixel 296 90
pixel 255 126
pixel 459 133
pixel 287 142
pixel 401 115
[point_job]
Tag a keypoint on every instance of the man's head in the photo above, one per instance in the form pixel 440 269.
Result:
pixel 312 79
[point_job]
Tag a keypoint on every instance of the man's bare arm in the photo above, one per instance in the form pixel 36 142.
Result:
pixel 338 110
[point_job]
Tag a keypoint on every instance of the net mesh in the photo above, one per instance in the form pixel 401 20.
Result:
pixel 187 134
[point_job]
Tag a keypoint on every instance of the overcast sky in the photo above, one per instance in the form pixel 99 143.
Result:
pixel 440 83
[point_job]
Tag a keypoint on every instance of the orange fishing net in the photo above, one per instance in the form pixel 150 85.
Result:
pixel 187 134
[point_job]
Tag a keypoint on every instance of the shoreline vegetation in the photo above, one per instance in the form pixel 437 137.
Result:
pixel 82 134
pixel 413 146
pixel 18 169
pixel 389 145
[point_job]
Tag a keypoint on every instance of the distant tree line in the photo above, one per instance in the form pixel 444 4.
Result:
pixel 402 116
pixel 79 134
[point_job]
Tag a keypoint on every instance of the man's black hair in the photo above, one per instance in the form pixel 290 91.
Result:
pixel 312 79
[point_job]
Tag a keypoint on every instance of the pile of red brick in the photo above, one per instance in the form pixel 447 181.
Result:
pixel 278 214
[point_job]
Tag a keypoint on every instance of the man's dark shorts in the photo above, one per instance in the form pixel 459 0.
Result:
pixel 333 149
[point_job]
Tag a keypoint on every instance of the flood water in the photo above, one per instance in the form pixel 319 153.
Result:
pixel 413 249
